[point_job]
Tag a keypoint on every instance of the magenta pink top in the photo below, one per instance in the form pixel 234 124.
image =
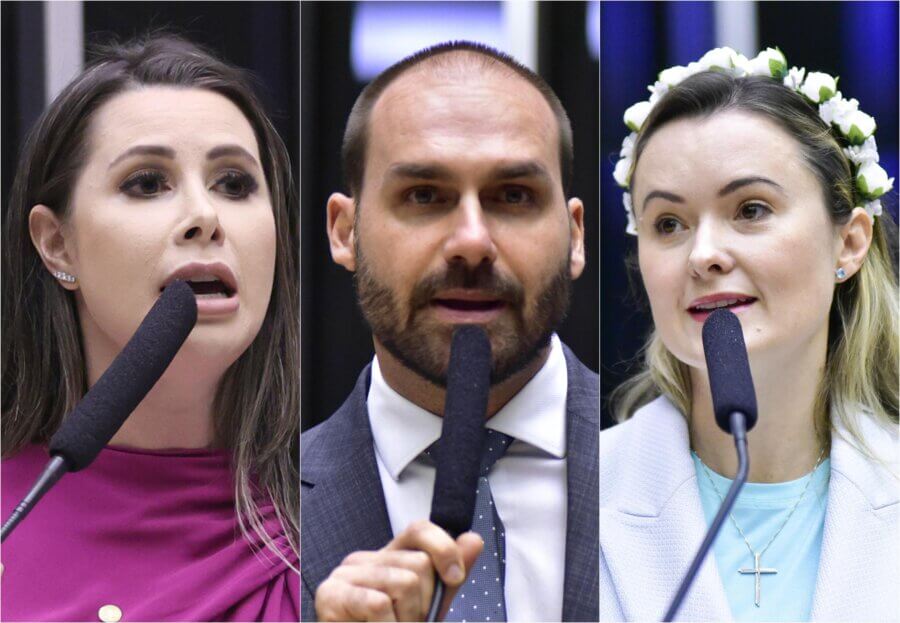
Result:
pixel 153 533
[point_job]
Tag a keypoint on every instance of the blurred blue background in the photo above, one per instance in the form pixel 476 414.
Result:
pixel 854 40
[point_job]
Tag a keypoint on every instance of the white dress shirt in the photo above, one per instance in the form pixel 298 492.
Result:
pixel 528 483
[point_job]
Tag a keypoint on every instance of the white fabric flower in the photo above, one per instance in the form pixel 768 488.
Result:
pixel 872 208
pixel 861 154
pixel 818 86
pixel 622 172
pixel 673 76
pixel 631 228
pixel 636 115
pixel 835 109
pixel 857 126
pixel 717 58
pixel 741 67
pixel 628 143
pixel 657 90
pixel 873 181
pixel 794 78
pixel 770 62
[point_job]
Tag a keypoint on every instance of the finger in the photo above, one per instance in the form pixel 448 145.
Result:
pixel 414 560
pixel 403 586
pixel 470 545
pixel 337 600
pixel 445 554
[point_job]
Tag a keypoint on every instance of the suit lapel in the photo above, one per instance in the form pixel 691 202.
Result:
pixel 860 562
pixel 580 589
pixel 343 508
pixel 651 532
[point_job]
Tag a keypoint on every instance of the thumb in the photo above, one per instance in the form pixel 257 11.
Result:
pixel 470 545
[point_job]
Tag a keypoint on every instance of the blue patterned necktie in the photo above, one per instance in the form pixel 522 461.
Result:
pixel 481 598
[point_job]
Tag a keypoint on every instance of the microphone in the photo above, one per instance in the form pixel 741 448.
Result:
pixel 730 381
pixel 118 391
pixel 734 404
pixel 462 438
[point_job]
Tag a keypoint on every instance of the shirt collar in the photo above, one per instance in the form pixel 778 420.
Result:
pixel 536 415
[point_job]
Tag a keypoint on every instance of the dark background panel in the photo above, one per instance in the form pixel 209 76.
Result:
pixel 856 41
pixel 21 81
pixel 336 343
pixel 262 37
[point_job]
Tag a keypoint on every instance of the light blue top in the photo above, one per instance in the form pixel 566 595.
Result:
pixel 760 510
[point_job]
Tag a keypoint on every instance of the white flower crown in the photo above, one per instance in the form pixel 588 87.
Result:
pixel 844 116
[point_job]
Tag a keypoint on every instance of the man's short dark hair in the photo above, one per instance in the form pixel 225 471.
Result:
pixel 353 152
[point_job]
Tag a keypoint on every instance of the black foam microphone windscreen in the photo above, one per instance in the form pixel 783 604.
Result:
pixel 462 431
pixel 730 381
pixel 131 375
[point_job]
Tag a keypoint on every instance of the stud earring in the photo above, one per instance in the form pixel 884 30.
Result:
pixel 840 273
pixel 64 276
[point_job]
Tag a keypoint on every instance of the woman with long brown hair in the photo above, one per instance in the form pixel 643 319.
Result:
pixel 156 163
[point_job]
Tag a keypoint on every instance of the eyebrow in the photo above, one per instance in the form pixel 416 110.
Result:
pixel 662 194
pixel 418 171
pixel 145 150
pixel 732 186
pixel 167 152
pixel 728 188
pixel 527 168
pixel 229 150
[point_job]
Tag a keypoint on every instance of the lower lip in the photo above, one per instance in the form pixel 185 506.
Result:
pixel 735 309
pixel 468 316
pixel 217 306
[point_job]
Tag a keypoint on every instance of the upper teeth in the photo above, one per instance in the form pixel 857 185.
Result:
pixel 204 278
pixel 717 304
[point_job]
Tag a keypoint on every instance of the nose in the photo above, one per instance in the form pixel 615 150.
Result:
pixel 201 221
pixel 710 254
pixel 470 240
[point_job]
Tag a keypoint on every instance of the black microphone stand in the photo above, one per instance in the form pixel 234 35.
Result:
pixel 54 470
pixel 739 430
pixel 436 599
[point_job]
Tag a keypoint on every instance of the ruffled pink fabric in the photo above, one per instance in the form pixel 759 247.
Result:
pixel 151 532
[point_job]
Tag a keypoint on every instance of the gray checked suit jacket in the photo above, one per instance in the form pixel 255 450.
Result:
pixel 343 508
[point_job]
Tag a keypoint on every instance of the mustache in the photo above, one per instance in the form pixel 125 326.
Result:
pixel 483 278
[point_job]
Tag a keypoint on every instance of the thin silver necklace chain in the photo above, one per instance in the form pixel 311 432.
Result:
pixel 796 504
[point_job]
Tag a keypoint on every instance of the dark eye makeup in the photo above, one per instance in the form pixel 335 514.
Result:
pixel 236 184
pixel 149 183
pixel 145 183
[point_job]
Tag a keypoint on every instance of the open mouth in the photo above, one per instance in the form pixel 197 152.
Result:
pixel 735 304
pixel 210 288
pixel 462 305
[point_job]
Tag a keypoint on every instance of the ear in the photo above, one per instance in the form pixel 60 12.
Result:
pixel 48 235
pixel 576 232
pixel 341 230
pixel 855 237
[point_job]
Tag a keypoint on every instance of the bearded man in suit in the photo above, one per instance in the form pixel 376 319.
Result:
pixel 457 161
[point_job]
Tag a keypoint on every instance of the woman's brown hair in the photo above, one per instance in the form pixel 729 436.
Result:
pixel 43 369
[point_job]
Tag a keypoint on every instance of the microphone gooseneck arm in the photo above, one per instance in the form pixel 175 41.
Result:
pixel 101 412
pixel 739 431
pixel 55 469
pixel 436 599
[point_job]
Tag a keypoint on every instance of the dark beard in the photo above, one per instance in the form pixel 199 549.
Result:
pixel 423 349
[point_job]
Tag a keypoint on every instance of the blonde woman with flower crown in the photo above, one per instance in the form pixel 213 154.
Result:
pixel 757 188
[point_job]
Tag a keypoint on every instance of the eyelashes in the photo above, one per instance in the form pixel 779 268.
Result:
pixel 508 195
pixel 750 212
pixel 236 184
pixel 145 184
pixel 151 183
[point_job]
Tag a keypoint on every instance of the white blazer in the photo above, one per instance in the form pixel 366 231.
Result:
pixel 652 522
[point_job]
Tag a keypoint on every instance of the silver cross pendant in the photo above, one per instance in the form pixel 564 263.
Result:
pixel 758 571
